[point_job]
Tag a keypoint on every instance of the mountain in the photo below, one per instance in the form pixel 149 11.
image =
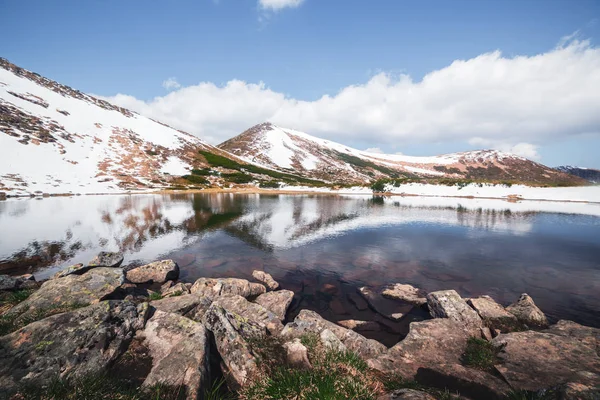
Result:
pixel 300 153
pixel 54 139
pixel 589 174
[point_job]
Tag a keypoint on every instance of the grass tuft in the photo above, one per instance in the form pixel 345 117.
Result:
pixel 480 354
pixel 155 296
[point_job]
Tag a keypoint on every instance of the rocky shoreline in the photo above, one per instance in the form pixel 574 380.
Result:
pixel 100 318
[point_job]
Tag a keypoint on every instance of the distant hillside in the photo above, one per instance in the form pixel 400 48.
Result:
pixel 301 153
pixel 589 174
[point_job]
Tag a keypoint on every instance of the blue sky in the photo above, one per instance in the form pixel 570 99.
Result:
pixel 293 56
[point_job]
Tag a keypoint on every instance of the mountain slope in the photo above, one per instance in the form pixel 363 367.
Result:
pixel 291 150
pixel 55 139
pixel 589 174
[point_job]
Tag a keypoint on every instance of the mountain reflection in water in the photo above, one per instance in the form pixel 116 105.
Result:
pixel 549 250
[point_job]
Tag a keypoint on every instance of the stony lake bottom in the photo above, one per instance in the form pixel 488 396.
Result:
pixel 324 247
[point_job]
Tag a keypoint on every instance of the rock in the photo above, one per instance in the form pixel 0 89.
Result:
pixel 585 334
pixel 469 382
pixel 77 269
pixel 251 311
pixel 276 302
pixel 360 326
pixel 297 354
pixel 73 290
pixel 533 360
pixel 106 259
pixel 17 282
pixel 216 287
pixel 176 290
pixel 265 278
pixel 230 332
pixel 486 333
pixel 432 342
pixel 494 316
pixel 337 307
pixel 404 292
pixel 388 308
pixel 179 350
pixel 311 322
pixel 577 391
pixel 190 305
pixel 157 272
pixel 166 286
pixel 449 304
pixel 527 312
pixel 358 301
pixel 329 289
pixel 77 343
pixel 407 394
pixel 331 342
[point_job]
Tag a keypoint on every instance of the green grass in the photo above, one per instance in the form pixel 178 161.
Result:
pixel 269 185
pixel 480 354
pixel 196 179
pixel 11 322
pixel 155 296
pixel 203 172
pixel 12 298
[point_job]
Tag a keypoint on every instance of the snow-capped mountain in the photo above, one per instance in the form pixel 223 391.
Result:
pixel 589 174
pixel 291 150
pixel 54 139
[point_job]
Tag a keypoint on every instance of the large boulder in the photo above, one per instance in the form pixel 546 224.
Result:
pixel 276 302
pixel 405 292
pixel 391 309
pixel 527 312
pixel 179 350
pixel 75 269
pixel 106 259
pixel 265 279
pixel 251 311
pixel 213 288
pixel 449 304
pixel 533 360
pixel 71 291
pixel 189 305
pixel 157 272
pixel 494 316
pixel 231 332
pixel 77 343
pixel 311 322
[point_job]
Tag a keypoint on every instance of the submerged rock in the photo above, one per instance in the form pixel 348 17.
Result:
pixel 449 304
pixel 266 279
pixel 217 287
pixel 179 350
pixel 157 272
pixel 533 360
pixel 527 312
pixel 388 308
pixel 77 343
pixel 73 290
pixel 106 259
pixel 405 292
pixel 358 301
pixel 360 326
pixel 493 314
pixel 311 322
pixel 276 302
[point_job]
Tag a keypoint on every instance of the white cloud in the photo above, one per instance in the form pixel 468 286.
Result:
pixel 276 5
pixel 514 103
pixel 171 84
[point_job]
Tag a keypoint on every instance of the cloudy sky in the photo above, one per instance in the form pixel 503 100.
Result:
pixel 416 77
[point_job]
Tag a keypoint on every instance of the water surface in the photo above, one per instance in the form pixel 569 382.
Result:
pixel 308 243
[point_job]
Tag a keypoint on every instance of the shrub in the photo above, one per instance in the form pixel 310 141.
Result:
pixel 269 184
pixel 237 177
pixel 195 179
pixel 203 172
pixel 378 186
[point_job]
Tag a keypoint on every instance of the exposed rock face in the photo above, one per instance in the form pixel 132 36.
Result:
pixel 533 360
pixel 331 342
pixel 360 326
pixel 276 302
pixel 230 332
pixel 176 290
pixel 449 304
pixel 388 308
pixel 407 394
pixel 404 292
pixel 527 312
pixel 106 259
pixel 250 311
pixel 17 282
pixel 190 305
pixel 76 269
pixel 311 322
pixel 432 342
pixel 70 344
pixel 216 287
pixel 266 279
pixel 91 287
pixel 494 316
pixel 158 272
pixel 297 354
pixel 179 350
